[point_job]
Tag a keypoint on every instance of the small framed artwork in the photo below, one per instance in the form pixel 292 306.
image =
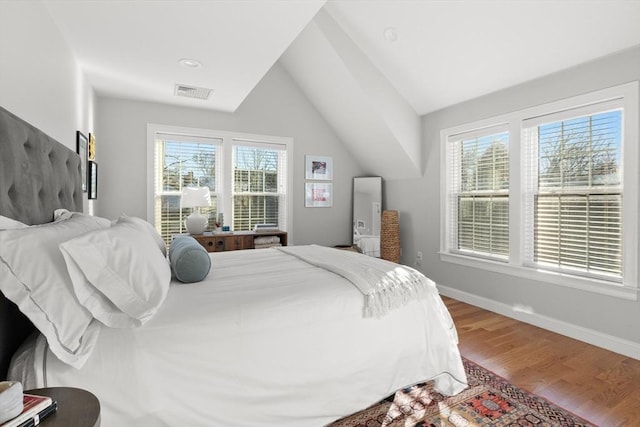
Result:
pixel 319 167
pixel 318 195
pixel 92 146
pixel 82 149
pixel 93 180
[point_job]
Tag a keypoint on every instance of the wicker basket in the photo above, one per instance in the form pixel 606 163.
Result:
pixel 390 236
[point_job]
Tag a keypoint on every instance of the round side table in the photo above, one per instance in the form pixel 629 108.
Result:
pixel 76 407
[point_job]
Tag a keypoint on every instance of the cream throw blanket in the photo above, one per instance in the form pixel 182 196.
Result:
pixel 384 284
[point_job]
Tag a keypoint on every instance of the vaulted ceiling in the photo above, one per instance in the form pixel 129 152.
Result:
pixel 371 68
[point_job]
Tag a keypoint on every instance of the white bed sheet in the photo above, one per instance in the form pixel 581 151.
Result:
pixel 265 340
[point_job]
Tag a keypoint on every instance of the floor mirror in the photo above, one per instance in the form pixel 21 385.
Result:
pixel 367 212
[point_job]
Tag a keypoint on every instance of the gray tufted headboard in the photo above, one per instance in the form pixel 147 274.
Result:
pixel 37 176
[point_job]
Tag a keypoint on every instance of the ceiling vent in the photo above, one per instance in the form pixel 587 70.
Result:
pixel 192 92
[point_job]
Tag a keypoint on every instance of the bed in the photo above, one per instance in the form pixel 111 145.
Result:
pixel 270 337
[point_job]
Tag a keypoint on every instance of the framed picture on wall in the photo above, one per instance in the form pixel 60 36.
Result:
pixel 318 167
pixel 92 146
pixel 93 180
pixel 82 148
pixel 318 195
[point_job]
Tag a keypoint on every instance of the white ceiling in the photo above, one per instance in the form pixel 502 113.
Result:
pixel 131 48
pixel 451 51
pixel 446 51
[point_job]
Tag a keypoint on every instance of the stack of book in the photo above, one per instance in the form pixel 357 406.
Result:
pixel 35 409
pixel 266 242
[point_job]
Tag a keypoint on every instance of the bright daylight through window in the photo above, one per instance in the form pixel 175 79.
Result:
pixel 551 189
pixel 246 176
pixel 480 175
pixel 576 206
pixel 257 178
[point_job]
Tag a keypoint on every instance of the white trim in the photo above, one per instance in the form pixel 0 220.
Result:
pixel 480 132
pixel 524 314
pixel 445 209
pixel 630 177
pixel 570 113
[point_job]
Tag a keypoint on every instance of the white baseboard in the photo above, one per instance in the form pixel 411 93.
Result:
pixel 617 345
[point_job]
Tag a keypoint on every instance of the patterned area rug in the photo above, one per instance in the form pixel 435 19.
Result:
pixel 488 401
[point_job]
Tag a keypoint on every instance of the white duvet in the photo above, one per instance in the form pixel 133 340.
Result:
pixel 266 340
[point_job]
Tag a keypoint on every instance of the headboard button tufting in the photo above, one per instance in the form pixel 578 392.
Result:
pixel 34 181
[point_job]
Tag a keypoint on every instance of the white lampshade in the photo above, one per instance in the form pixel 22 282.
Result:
pixel 195 197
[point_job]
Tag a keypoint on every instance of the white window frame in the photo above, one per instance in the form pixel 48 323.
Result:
pixel 225 196
pixel 282 186
pixel 455 191
pixel 516 265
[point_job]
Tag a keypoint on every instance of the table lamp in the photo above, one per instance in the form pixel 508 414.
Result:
pixel 195 197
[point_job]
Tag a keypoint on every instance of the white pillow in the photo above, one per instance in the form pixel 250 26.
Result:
pixel 10 224
pixel 34 276
pixel 64 214
pixel 119 274
pixel 146 226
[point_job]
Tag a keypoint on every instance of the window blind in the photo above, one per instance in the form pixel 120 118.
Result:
pixel 479 192
pixel 259 184
pixel 574 197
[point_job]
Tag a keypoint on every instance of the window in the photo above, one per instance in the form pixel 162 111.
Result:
pixel 548 193
pixel 480 193
pixel 574 210
pixel 258 184
pixel 183 161
pixel 253 190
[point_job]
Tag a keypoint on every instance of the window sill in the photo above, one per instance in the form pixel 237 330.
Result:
pixel 586 284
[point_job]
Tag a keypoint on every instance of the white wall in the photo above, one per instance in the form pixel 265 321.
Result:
pixel 275 107
pixel 602 320
pixel 40 80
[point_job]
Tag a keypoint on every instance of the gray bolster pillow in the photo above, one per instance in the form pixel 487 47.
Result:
pixel 190 262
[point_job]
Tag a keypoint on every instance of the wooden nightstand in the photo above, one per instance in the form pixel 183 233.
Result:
pixel 219 242
pixel 76 407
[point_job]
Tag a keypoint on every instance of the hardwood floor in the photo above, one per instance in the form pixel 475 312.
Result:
pixel 596 384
